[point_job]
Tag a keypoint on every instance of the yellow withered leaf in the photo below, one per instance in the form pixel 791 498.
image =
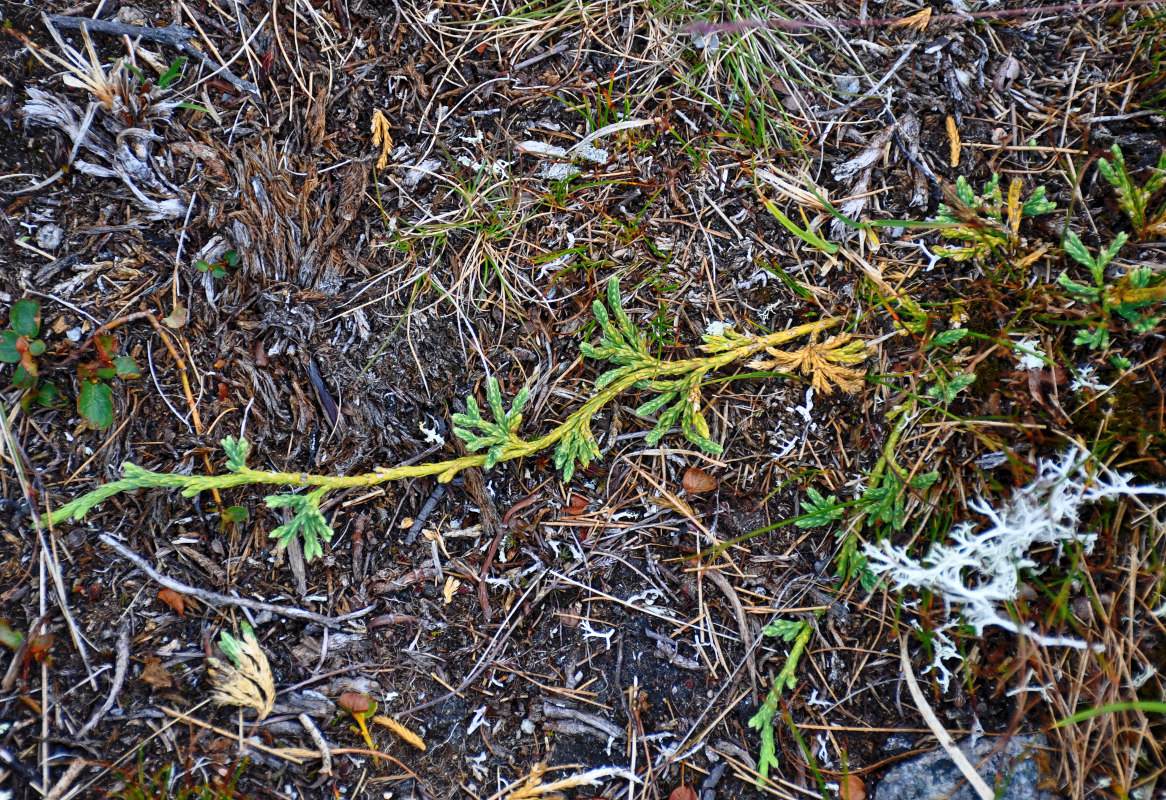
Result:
pixel 824 363
pixel 452 584
pixel 1014 207
pixel 401 731
pixel 918 20
pixel 953 139
pixel 247 681
pixel 381 137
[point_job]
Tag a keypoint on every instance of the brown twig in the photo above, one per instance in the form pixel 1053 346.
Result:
pixel 216 599
pixel 177 36
pixel 119 676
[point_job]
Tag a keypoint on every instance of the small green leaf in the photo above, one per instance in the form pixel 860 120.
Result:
pixel 493 456
pixel 1077 288
pixel 785 629
pixel 610 376
pixel 25 318
pixel 22 378
pixel 600 312
pixel 202 266
pixel 308 522
pixel 805 234
pixel 925 480
pixel 704 443
pixel 47 395
pixel 173 73
pixel 494 398
pixel 1096 338
pixel 231 257
pixel 1140 277
pixel 8 352
pixel 655 404
pixel 589 350
pixel 519 403
pixel 177 318
pixel 36 347
pixel 232 648
pixel 95 403
pixel 105 344
pixel 1106 170
pixel 126 367
pixel 1107 255
pixel 9 637
pixel 1037 203
pixel 965 193
pixel 235 514
pixel 664 422
pixel 946 390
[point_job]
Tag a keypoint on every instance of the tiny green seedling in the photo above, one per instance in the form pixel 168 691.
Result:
pixel 173 72
pixel 218 269
pixel 19 345
pixel 818 510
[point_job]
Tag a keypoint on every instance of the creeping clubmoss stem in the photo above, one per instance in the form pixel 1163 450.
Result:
pixel 241 475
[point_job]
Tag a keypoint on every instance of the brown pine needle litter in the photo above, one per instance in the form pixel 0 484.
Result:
pixel 498 268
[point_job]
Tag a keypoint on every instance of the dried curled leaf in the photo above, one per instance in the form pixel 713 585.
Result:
pixel 824 363
pixel 381 137
pixel 247 681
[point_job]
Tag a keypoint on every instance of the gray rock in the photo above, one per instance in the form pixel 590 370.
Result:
pixel 1014 772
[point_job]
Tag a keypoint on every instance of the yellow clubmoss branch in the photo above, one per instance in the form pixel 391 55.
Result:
pixel 677 382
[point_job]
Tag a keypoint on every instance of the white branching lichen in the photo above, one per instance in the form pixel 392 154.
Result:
pixel 978 571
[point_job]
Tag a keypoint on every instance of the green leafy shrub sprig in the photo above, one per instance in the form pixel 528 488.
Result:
pixel 676 383
pixel 19 345
pixel 95 399
pixel 1131 297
